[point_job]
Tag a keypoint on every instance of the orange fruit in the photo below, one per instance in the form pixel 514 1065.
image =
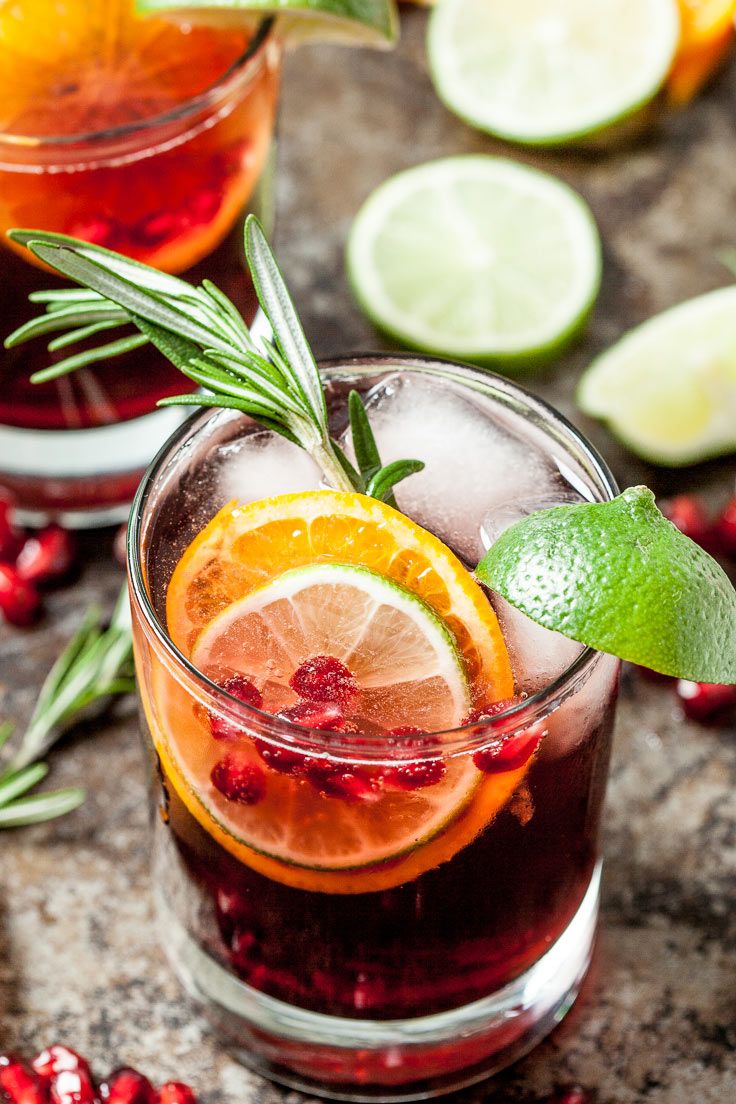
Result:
pixel 706 39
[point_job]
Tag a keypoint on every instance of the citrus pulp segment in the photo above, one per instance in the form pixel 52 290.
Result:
pixel 358 22
pixel 476 258
pixel 244 547
pixel 542 73
pixel 667 389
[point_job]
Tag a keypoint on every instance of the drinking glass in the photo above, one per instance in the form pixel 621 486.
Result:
pixel 410 972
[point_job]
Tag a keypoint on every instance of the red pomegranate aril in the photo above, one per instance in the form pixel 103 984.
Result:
pixel 239 781
pixel 19 600
pixel 321 715
pixel 99 231
pixel 415 776
pixel 324 678
pixel 72 1087
pixel 488 712
pixel 55 1059
pixel 405 730
pixel 18 1084
pixel 347 784
pixel 705 701
pixel 127 1086
pixel 571 1094
pixel 245 691
pixel 280 759
pixel 11 540
pixel 174 1092
pixel 46 555
pixel 725 528
pixel 509 754
pixel 688 515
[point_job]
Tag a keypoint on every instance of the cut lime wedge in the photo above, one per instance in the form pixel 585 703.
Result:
pixel 477 258
pixel 542 73
pixel 619 577
pixel 357 22
pixel 667 389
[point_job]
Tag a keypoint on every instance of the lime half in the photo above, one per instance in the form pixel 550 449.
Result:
pixel 477 258
pixel 357 22
pixel 667 389
pixel 541 73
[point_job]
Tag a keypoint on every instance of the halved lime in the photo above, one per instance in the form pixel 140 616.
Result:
pixel 359 22
pixel 477 258
pixel 542 73
pixel 668 388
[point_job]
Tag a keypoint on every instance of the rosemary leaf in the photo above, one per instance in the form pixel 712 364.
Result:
pixel 15 785
pixel 387 478
pixel 90 356
pixel 40 807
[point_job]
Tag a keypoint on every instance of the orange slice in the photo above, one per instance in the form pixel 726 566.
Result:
pixel 244 547
pixel 706 38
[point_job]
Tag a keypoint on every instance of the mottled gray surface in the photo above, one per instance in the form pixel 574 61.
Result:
pixel 78 957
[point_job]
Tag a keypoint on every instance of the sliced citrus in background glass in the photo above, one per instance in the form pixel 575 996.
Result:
pixel 357 22
pixel 245 547
pixel 707 35
pixel 667 389
pixel 541 73
pixel 476 258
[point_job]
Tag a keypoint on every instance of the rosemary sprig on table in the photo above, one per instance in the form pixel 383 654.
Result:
pixel 201 332
pixel 95 666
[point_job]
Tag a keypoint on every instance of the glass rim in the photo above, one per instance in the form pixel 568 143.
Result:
pixel 240 68
pixel 529 710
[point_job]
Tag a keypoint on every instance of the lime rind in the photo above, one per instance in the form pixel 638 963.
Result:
pixel 619 577
pixel 629 94
pixel 559 211
pixel 355 22
pixel 667 388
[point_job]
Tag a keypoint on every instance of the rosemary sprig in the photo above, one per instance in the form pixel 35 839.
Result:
pixel 96 664
pixel 201 332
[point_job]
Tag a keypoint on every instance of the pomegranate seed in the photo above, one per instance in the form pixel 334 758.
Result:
pixel 174 1092
pixel 510 754
pixel 10 538
pixel 19 600
pixel 203 207
pixel 46 555
pixel 243 689
pixel 572 1094
pixel 281 759
pixel 18 1084
pixel 327 716
pixel 324 679
pixel 405 730
pixel 159 228
pixel 99 231
pixel 705 701
pixel 72 1087
pixel 127 1086
pixel 244 951
pixel 56 1059
pixel 415 776
pixel 688 515
pixel 239 781
pixel 347 784
pixel 725 528
pixel 488 712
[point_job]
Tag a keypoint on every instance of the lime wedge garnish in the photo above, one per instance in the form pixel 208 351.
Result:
pixel 619 577
pixel 668 388
pixel 476 258
pixel 540 73
pixel 358 22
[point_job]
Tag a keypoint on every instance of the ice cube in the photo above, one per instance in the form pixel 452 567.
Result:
pixel 264 464
pixel 577 717
pixel 538 655
pixel 504 514
pixel 473 463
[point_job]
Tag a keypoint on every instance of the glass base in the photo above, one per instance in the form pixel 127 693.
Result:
pixel 390 1060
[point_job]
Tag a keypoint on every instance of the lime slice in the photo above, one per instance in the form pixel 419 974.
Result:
pixel 619 577
pixel 668 388
pixel 406 661
pixel 357 22
pixel 543 73
pixel 476 258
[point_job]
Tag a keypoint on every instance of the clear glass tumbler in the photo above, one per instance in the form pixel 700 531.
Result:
pixel 420 959
pixel 146 139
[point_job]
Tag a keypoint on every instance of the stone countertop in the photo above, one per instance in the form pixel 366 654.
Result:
pixel 657 1021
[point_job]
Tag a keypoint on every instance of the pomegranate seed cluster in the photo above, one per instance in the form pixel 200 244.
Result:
pixel 326 690
pixel 29 562
pixel 59 1075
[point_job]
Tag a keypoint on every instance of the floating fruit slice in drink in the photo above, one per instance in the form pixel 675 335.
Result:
pixel 244 547
pixel 543 73
pixel 667 389
pixel 510 278
pixel 706 39
pixel 403 657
